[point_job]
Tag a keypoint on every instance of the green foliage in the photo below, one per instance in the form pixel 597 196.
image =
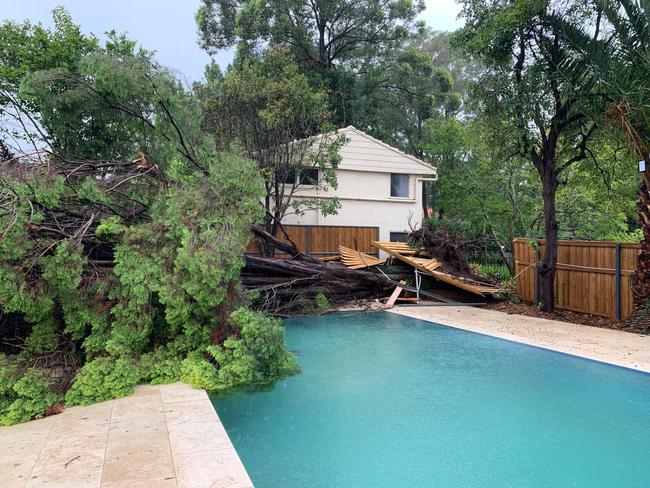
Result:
pixel 24 396
pixel 160 366
pixel 321 303
pixel 258 355
pixel 102 379
pixel 121 250
pixel 326 33
pixel 407 93
pixel 269 108
pixel 199 373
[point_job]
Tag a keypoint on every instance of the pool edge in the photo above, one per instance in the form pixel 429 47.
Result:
pixel 616 348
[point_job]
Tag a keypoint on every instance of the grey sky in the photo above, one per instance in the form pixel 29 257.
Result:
pixel 166 26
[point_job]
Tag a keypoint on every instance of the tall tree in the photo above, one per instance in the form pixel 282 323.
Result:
pixel 413 90
pixel 320 32
pixel 619 68
pixel 519 83
pixel 268 107
pixel 333 41
pixel 26 48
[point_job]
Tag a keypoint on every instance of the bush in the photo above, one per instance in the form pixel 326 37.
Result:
pixel 24 397
pixel 199 373
pixel 160 366
pixel 321 303
pixel 258 355
pixel 103 379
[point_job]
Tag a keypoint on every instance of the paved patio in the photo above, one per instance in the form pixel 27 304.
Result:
pixel 610 346
pixel 161 436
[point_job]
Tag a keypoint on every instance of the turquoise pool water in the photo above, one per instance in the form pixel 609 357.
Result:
pixel 389 401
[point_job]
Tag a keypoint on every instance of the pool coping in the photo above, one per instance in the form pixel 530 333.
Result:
pixel 160 436
pixel 613 347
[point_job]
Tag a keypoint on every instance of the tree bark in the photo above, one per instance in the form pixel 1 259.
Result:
pixel 548 265
pixel 283 283
pixel 425 202
pixel 641 282
pixel 544 161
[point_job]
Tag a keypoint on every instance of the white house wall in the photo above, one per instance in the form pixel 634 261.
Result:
pixel 364 188
pixel 365 201
pixel 364 153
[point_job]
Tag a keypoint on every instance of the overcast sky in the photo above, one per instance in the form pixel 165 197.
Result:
pixel 166 26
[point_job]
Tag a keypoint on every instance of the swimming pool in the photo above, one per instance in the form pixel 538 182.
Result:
pixel 391 401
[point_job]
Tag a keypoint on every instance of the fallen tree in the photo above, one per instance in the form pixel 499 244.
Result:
pixel 283 285
pixel 121 265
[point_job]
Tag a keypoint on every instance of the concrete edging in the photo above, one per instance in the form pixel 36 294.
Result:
pixel 160 436
pixel 605 345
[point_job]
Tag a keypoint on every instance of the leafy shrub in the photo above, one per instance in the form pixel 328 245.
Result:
pixel 258 355
pixel 160 366
pixel 25 397
pixel 103 379
pixel 199 373
pixel 321 303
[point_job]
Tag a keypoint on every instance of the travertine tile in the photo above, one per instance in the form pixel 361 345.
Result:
pixel 151 427
pixel 188 438
pixel 61 449
pixel 14 474
pixel 211 469
pixel 138 458
pixel 144 390
pixel 180 392
pixel 150 483
pixel 192 411
pixel 24 440
pixel 92 420
pixel 83 470
pixel 125 443
pixel 137 406
pixel 610 346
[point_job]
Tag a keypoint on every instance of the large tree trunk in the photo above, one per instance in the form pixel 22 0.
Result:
pixel 285 284
pixel 641 283
pixel 548 265
pixel 425 202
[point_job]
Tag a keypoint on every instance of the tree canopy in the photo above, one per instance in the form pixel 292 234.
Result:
pixel 123 230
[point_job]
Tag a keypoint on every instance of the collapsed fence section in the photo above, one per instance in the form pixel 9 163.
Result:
pixel 592 277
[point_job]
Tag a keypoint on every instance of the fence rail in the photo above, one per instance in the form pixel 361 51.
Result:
pixel 592 276
pixel 324 240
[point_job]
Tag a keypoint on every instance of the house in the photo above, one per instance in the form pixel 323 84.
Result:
pixel 378 186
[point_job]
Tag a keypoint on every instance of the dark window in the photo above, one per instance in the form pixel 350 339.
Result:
pixel 290 178
pixel 308 176
pixel 399 185
pixel 399 236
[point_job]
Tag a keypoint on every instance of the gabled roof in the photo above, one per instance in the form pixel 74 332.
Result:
pixel 365 153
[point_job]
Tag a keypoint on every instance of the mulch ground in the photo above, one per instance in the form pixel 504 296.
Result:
pixel 634 325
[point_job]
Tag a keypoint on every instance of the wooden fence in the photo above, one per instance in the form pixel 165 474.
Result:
pixel 324 240
pixel 592 277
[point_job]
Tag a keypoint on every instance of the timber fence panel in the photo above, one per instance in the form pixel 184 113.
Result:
pixel 324 240
pixel 592 277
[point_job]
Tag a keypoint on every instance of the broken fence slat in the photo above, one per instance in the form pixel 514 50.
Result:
pixel 396 293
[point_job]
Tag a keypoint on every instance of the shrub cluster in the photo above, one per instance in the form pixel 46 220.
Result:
pixel 116 300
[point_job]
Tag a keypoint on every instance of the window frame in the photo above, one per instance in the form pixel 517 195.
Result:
pixel 408 186
pixel 394 234
pixel 291 177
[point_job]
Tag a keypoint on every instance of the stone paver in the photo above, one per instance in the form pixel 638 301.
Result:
pixel 161 436
pixel 610 346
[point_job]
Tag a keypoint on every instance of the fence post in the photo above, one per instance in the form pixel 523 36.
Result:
pixel 536 280
pixel 618 281
pixel 308 238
